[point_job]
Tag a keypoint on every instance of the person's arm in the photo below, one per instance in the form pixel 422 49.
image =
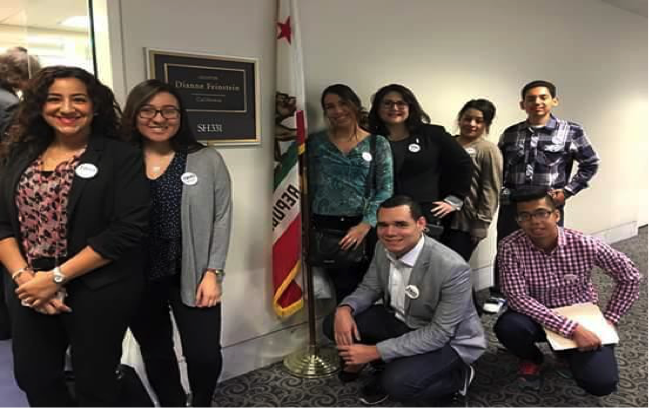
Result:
pixel 587 159
pixel 384 182
pixel 210 288
pixel 455 295
pixel 514 287
pixel 491 173
pixel 626 276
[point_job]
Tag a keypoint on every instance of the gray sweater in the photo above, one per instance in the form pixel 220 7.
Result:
pixel 206 215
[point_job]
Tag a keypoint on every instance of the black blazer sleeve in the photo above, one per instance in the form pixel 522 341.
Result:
pixel 455 165
pixel 130 216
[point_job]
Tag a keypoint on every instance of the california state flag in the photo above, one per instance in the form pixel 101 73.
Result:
pixel 290 131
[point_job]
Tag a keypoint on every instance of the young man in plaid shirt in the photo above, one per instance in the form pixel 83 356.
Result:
pixel 545 266
pixel 540 152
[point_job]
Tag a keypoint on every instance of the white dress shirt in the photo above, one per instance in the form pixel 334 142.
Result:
pixel 400 269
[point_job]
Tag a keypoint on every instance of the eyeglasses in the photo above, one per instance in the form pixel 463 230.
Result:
pixel 538 214
pixel 387 104
pixel 168 112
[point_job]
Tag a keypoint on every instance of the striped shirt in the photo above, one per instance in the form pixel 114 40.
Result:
pixel 534 281
pixel 543 156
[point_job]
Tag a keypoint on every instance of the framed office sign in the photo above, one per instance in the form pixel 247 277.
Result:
pixel 219 93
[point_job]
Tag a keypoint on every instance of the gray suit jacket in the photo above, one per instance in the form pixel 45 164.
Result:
pixel 205 215
pixel 443 313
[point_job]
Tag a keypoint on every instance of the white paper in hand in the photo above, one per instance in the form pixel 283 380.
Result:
pixel 589 316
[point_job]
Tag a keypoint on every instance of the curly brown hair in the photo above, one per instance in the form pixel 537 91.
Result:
pixel 30 131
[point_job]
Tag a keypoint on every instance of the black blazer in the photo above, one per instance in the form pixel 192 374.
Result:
pixel 109 212
pixel 430 165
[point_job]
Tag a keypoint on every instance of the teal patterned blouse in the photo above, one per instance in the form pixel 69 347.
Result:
pixel 338 181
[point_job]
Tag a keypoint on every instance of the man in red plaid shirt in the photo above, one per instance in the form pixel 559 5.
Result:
pixel 544 266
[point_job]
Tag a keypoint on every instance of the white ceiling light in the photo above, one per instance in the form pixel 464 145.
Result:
pixel 76 22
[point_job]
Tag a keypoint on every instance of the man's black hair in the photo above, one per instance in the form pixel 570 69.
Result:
pixel 399 200
pixel 533 194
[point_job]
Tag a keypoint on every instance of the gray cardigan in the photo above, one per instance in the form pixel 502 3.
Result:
pixel 443 313
pixel 206 213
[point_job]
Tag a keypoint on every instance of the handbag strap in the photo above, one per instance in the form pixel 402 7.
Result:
pixel 369 182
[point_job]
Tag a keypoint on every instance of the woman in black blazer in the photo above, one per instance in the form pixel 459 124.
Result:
pixel 74 207
pixel 429 165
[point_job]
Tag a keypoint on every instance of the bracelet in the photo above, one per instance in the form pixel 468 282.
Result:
pixel 19 272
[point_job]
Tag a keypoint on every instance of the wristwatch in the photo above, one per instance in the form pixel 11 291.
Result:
pixel 58 277
pixel 220 275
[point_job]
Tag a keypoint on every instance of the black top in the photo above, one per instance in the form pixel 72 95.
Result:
pixel 430 165
pixel 165 247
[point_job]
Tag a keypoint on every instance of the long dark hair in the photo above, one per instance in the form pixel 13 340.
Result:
pixel 416 115
pixel 349 96
pixel 140 95
pixel 30 130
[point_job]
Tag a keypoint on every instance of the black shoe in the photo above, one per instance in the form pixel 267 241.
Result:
pixel 469 373
pixel 347 376
pixel 373 393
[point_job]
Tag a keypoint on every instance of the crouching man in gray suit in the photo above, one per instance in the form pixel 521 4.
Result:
pixel 425 335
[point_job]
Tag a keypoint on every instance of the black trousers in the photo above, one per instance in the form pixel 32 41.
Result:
pixel 5 322
pixel 94 330
pixel 595 371
pixel 200 335
pixel 507 224
pixel 345 280
pixel 431 375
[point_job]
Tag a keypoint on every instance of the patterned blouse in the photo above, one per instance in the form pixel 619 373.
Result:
pixel 165 246
pixel 42 201
pixel 338 181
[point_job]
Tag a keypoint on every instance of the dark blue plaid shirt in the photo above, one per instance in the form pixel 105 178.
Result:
pixel 543 156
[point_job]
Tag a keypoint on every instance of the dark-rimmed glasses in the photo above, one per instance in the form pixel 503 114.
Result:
pixel 168 112
pixel 538 214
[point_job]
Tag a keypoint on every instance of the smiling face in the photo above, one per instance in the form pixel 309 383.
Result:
pixel 338 111
pixel 393 109
pixel 397 230
pixel 472 124
pixel 538 219
pixel 156 120
pixel 538 104
pixel 68 108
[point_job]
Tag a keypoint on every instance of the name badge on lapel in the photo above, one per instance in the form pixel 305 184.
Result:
pixel 189 178
pixel 412 291
pixel 414 147
pixel 367 156
pixel 86 170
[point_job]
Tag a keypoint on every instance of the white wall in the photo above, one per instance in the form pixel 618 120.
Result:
pixel 447 52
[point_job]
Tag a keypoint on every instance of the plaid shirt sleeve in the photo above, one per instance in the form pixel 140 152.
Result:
pixel 587 159
pixel 514 287
pixel 627 278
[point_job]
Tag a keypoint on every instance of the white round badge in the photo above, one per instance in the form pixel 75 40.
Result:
pixel 412 291
pixel 86 170
pixel 189 178
pixel 367 156
pixel 414 147
pixel 471 151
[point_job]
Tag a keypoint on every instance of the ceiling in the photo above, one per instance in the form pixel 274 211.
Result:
pixel 41 13
pixel 634 6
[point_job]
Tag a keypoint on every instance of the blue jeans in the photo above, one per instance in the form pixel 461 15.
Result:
pixel 431 375
pixel 595 371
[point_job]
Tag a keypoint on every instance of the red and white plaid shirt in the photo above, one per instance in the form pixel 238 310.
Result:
pixel 534 281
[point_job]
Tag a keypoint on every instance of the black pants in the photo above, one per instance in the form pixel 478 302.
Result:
pixel 5 322
pixel 431 375
pixel 594 371
pixel 200 335
pixel 94 330
pixel 507 224
pixel 345 280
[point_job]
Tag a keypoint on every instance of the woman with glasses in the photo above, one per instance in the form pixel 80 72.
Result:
pixel 429 166
pixel 186 249
pixel 74 206
pixel 470 224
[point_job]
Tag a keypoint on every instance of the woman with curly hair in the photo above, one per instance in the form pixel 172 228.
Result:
pixel 186 249
pixel 429 166
pixel 74 206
